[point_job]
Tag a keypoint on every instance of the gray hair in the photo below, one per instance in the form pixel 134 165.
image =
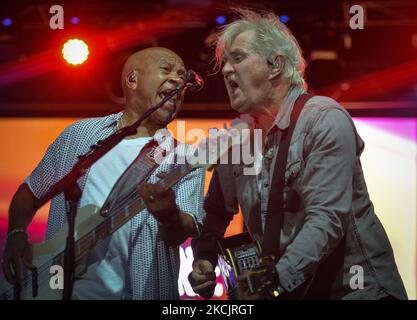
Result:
pixel 271 37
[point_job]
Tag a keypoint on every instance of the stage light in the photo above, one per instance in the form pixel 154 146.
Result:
pixel 75 20
pixel 75 51
pixel 220 19
pixel 7 22
pixel 284 18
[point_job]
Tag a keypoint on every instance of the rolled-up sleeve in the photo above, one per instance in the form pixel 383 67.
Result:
pixel 190 194
pixel 326 192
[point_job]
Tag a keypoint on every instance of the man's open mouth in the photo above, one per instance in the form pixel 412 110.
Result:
pixel 233 85
pixel 171 103
pixel 166 92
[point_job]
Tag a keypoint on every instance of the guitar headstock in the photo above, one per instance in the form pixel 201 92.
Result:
pixel 222 146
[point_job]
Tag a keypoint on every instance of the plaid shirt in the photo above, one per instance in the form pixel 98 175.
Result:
pixel 153 266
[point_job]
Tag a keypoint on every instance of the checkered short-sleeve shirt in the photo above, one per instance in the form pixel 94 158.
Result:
pixel 153 266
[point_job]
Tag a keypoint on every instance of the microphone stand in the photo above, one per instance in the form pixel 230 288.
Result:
pixel 69 185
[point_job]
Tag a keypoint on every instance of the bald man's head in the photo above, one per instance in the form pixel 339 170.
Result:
pixel 139 60
pixel 146 78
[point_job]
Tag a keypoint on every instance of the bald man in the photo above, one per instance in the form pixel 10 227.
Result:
pixel 141 259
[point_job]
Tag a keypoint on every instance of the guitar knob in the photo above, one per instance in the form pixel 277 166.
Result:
pixel 104 212
pixel 275 293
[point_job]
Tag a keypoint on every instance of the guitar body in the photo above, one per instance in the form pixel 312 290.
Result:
pixel 48 254
pixel 240 253
pixel 41 261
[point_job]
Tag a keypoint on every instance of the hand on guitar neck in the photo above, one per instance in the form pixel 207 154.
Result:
pixel 18 251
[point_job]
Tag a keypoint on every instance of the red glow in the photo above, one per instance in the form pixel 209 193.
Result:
pixel 130 35
pixel 373 83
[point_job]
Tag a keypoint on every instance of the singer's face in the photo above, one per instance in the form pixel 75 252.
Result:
pixel 160 73
pixel 245 75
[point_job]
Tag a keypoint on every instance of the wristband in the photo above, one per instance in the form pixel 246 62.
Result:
pixel 12 232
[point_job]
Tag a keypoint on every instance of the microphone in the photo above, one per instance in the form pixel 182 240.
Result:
pixel 193 81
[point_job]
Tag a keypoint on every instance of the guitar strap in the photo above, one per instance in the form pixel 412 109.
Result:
pixel 138 171
pixel 274 218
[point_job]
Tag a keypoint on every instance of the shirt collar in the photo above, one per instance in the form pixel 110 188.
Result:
pixel 159 134
pixel 282 120
pixel 114 120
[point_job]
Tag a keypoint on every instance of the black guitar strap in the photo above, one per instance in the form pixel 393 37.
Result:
pixel 274 218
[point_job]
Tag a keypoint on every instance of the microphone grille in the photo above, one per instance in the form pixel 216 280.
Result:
pixel 193 81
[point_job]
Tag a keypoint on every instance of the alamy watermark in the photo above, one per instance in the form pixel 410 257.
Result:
pixel 57 20
pixel 218 146
pixel 57 279
pixel 357 21
pixel 357 280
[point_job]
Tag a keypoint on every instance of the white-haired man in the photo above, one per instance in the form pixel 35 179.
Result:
pixel 332 225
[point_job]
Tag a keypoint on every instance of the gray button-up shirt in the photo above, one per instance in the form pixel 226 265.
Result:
pixel 334 229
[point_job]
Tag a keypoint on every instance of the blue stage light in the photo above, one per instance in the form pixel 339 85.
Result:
pixel 284 18
pixel 221 20
pixel 75 20
pixel 7 22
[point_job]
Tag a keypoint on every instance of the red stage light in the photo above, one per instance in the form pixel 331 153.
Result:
pixel 75 51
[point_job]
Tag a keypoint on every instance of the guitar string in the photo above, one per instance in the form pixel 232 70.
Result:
pixel 134 199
